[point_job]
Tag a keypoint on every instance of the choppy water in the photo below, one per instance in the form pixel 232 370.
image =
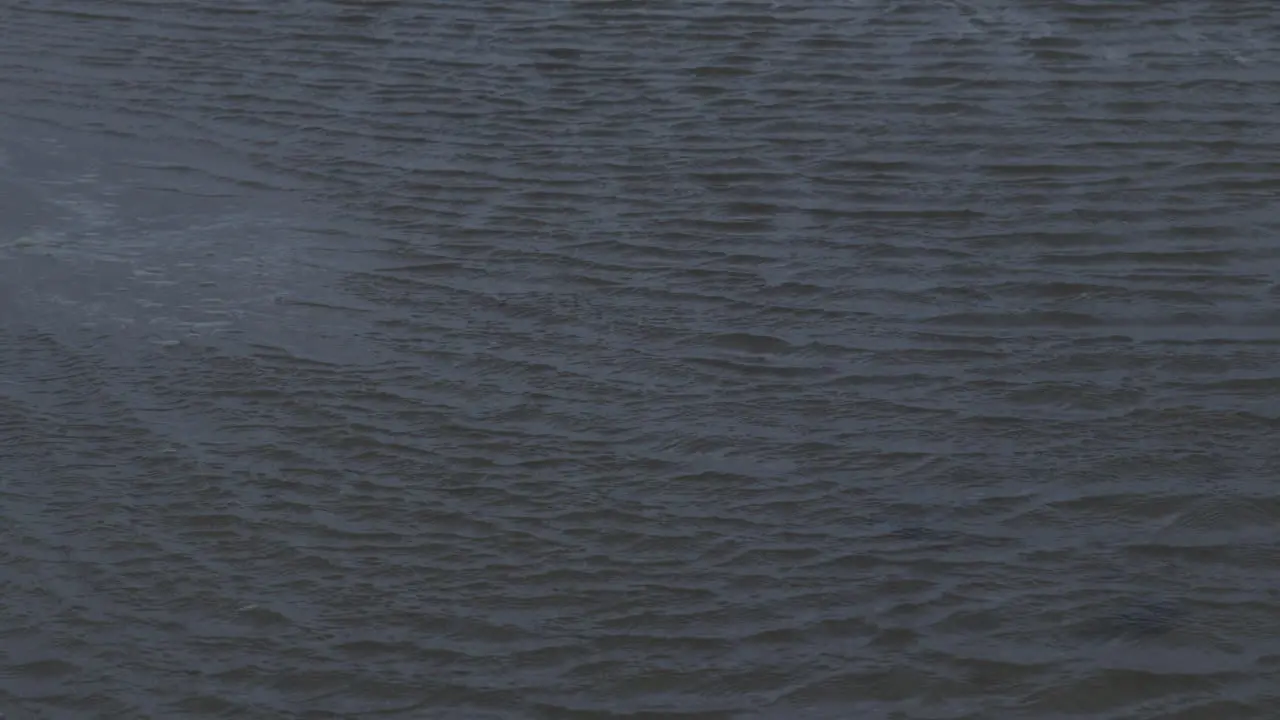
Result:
pixel 681 359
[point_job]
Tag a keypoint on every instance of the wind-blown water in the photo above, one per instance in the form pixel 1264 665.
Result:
pixel 638 359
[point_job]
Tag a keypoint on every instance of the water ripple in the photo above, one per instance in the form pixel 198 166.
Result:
pixel 637 359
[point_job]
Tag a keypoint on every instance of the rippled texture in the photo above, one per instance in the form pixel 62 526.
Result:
pixel 638 359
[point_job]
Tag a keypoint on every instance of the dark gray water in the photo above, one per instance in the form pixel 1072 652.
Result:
pixel 685 359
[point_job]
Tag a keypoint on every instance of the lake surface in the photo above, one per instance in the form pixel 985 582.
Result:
pixel 687 359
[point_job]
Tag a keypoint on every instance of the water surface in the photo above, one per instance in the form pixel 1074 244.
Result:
pixel 638 359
